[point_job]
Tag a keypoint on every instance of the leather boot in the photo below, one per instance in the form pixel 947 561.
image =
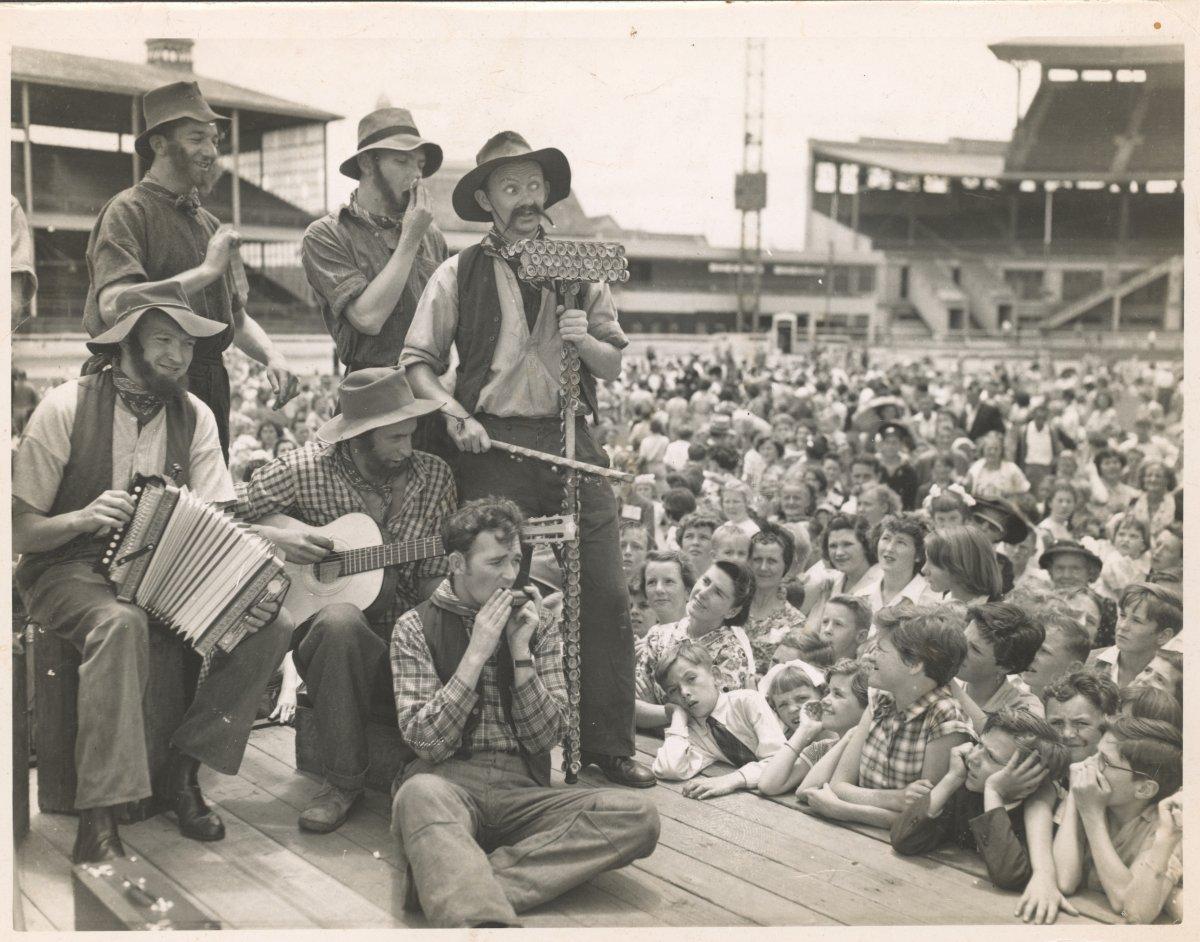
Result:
pixel 182 792
pixel 621 770
pixel 97 838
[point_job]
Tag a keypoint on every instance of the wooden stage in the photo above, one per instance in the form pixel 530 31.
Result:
pixel 739 860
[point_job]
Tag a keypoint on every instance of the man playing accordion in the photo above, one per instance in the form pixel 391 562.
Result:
pixel 83 444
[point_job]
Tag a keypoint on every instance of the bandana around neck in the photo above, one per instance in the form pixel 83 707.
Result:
pixel 443 597
pixel 140 401
pixel 378 220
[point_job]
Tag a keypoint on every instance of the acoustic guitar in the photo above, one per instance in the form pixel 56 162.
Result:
pixel 353 572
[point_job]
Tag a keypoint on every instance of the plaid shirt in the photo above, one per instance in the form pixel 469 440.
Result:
pixel 311 485
pixel 431 715
pixel 894 750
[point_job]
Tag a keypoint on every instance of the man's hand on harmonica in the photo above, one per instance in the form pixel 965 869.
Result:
pixel 110 509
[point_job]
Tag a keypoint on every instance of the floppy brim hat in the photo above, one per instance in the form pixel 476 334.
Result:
pixel 167 297
pixel 502 149
pixel 391 129
pixel 1015 528
pixel 1067 547
pixel 371 399
pixel 170 103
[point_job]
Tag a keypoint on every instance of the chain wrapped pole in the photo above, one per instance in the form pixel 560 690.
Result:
pixel 564 267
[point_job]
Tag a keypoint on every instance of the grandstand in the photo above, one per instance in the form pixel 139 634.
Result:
pixel 1075 224
pixel 74 120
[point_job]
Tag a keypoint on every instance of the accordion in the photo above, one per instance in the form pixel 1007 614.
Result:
pixel 191 566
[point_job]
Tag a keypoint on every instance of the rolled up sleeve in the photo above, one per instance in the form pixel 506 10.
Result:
pixel 431 334
pixel 117 252
pixel 602 317
pixel 330 269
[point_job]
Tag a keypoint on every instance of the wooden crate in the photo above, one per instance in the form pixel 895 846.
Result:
pixel 129 893
pixel 56 692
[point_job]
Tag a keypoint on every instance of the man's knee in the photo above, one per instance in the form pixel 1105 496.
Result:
pixel 638 820
pixel 340 624
pixel 117 623
pixel 423 800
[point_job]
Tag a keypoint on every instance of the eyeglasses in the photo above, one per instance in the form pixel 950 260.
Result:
pixel 1103 763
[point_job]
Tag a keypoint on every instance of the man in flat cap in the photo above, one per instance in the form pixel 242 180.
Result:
pixel 157 230
pixel 83 445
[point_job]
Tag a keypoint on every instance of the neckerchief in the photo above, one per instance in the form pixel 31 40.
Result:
pixel 359 481
pixel 189 202
pixel 378 220
pixel 531 294
pixel 142 403
pixel 445 598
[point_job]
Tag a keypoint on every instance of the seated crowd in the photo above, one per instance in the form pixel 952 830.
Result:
pixel 966 635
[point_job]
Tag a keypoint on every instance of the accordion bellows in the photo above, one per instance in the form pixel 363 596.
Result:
pixel 191 566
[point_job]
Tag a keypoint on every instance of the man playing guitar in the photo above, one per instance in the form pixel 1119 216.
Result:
pixel 364 463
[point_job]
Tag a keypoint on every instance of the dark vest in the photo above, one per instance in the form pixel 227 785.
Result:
pixel 88 472
pixel 479 331
pixel 447 638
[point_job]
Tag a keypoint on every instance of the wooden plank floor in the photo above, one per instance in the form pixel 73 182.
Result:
pixel 738 860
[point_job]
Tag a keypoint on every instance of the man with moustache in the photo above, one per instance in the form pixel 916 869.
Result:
pixel 157 230
pixel 369 261
pixel 83 445
pixel 364 462
pixel 509 336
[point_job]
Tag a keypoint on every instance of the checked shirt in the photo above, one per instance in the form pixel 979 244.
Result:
pixel 312 485
pixel 432 716
pixel 894 750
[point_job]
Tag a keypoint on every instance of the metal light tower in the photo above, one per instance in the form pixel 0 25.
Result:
pixel 750 188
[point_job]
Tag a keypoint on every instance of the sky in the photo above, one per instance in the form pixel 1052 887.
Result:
pixel 646 101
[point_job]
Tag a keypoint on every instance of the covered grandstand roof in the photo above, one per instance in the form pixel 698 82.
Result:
pixel 106 78
pixel 954 158
pixel 1098 53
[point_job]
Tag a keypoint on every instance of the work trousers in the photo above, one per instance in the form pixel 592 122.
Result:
pixel 484 841
pixel 208 381
pixel 79 604
pixel 345 667
pixel 607 687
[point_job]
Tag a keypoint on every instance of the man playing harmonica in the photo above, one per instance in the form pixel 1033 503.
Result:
pixel 83 445
pixel 509 336
pixel 157 230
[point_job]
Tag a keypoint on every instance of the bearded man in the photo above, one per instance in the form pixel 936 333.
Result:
pixel 71 475
pixel 365 462
pixel 157 230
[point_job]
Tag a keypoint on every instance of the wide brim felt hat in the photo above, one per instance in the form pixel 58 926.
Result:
pixel 391 129
pixel 165 296
pixel 1004 515
pixel 170 103
pixel 901 430
pixel 371 399
pixel 1069 547
pixel 505 148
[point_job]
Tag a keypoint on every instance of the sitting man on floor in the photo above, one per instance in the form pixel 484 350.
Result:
pixel 83 446
pixel 481 700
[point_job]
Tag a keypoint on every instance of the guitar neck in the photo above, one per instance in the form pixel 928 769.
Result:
pixel 388 554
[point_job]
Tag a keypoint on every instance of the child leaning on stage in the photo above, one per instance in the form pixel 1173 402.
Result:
pixel 1122 820
pixel 708 725
pixel 979 804
pixel 820 729
pixel 915 723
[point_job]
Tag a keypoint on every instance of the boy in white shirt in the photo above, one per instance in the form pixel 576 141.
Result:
pixel 708 725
